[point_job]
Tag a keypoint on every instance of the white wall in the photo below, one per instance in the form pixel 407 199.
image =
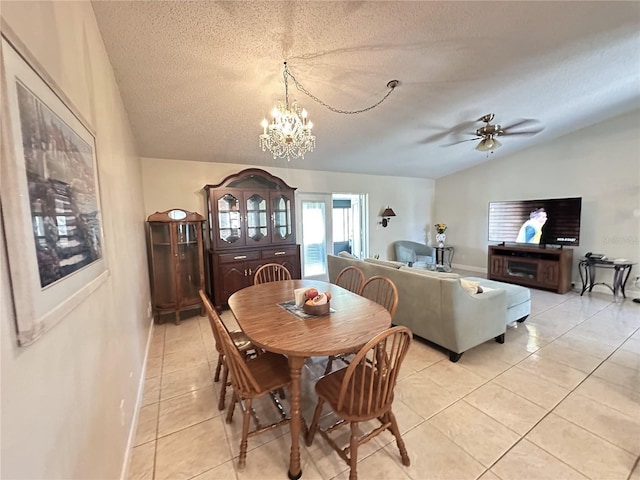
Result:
pixel 601 164
pixel 178 184
pixel 61 396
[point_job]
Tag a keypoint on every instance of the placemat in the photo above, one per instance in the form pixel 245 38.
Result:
pixel 291 307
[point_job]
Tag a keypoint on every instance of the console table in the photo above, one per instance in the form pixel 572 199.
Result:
pixel 621 272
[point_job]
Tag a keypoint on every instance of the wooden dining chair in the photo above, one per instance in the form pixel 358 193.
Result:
pixel 350 278
pixel 382 291
pixel 379 289
pixel 240 340
pixel 363 391
pixel 252 378
pixel 271 272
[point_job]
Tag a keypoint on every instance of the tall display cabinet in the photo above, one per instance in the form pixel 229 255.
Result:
pixel 251 217
pixel 177 261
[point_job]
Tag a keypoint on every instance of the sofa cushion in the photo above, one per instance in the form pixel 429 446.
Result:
pixel 345 254
pixel 430 273
pixel 386 263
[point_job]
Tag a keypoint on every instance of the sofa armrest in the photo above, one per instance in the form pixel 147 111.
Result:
pixel 476 318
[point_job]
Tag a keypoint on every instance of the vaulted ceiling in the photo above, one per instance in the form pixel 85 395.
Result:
pixel 198 77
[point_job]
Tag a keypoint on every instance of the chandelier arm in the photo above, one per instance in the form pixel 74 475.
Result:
pixel 392 85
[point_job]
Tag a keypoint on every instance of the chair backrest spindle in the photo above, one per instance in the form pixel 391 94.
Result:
pixel 350 278
pixel 382 291
pixel 271 272
pixel 369 380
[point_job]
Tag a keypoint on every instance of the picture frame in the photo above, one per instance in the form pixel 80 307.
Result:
pixel 51 214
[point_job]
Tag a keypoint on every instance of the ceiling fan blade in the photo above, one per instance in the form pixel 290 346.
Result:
pixel 527 132
pixel 461 141
pixel 519 123
pixel 450 131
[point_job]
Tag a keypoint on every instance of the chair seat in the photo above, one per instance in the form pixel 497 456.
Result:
pixel 271 371
pixel 328 387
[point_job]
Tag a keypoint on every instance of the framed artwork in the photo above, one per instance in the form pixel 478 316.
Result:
pixel 50 197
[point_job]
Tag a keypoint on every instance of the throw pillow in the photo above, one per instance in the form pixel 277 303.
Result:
pixel 346 254
pixel 471 286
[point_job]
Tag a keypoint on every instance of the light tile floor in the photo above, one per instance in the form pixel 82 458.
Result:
pixel 559 400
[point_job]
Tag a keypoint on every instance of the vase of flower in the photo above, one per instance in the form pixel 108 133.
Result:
pixel 441 237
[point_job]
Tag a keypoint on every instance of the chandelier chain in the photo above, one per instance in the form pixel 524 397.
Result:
pixel 300 87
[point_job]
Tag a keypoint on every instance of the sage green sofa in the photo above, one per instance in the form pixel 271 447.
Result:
pixel 435 306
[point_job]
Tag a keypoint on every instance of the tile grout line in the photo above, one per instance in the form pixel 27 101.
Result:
pixel 515 393
pixel 552 411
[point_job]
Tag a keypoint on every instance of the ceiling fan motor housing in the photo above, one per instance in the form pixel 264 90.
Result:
pixel 489 130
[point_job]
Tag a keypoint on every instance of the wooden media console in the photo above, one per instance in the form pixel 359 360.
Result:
pixel 538 267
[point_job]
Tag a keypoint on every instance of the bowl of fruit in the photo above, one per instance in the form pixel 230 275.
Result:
pixel 316 303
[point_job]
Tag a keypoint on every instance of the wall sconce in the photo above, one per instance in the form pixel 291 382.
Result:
pixel 388 212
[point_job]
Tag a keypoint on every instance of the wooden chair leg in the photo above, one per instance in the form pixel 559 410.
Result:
pixel 396 433
pixel 216 377
pixel 232 407
pixel 314 423
pixel 246 419
pixel 329 364
pixel 223 387
pixel 353 452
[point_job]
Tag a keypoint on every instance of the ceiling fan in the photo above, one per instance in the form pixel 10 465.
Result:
pixel 488 132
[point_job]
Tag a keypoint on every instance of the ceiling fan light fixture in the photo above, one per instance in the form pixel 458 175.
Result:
pixel 488 144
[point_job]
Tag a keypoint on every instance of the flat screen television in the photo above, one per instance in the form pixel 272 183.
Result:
pixel 554 221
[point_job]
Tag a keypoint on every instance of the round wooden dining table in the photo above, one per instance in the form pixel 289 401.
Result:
pixel 354 321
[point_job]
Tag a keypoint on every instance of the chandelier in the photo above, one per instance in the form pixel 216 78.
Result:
pixel 289 133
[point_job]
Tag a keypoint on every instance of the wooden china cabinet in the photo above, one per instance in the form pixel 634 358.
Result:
pixel 177 261
pixel 251 218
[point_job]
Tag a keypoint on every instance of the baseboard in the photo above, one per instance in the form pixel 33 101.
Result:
pixel 124 472
pixel 470 268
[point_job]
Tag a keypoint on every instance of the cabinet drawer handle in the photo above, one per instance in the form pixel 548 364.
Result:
pixel 240 257
pixel 280 253
pixel 245 272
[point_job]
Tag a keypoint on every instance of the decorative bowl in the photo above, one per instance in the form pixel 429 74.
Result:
pixel 316 309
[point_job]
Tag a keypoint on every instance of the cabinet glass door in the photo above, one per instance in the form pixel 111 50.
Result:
pixel 164 266
pixel 229 219
pixel 257 228
pixel 188 261
pixel 282 224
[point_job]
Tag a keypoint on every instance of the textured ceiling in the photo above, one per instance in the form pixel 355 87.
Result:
pixel 198 77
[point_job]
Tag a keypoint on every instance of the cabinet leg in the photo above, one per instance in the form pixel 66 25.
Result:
pixel 177 317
